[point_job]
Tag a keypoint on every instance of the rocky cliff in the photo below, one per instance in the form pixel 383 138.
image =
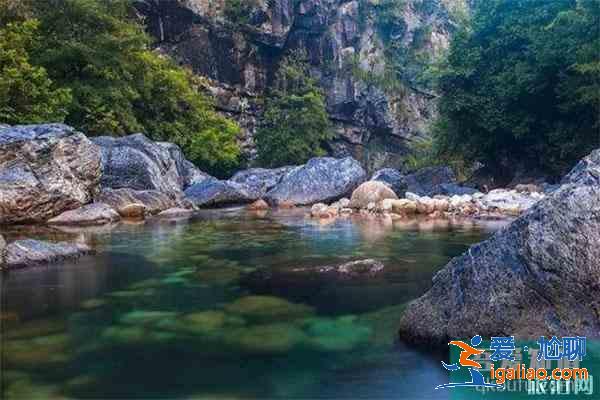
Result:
pixel 367 55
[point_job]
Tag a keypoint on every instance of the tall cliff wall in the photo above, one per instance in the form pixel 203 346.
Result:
pixel 366 54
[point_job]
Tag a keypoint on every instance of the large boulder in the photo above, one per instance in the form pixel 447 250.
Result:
pixel 371 192
pixel 28 252
pixel 538 276
pixel 586 172
pixel 322 179
pixel 214 192
pixel 90 214
pixel 260 180
pixel 507 201
pixel 428 181
pixel 135 162
pixel 393 178
pixel 123 200
pixel 45 170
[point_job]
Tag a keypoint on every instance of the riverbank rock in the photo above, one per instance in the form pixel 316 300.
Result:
pixel 28 252
pixel 124 200
pixel 371 192
pixel 540 275
pixel 508 201
pixel 260 180
pixel 586 172
pixel 259 205
pixel 213 193
pixel 393 178
pixel 428 181
pixel 322 179
pixel 136 162
pixel 45 170
pixel 175 213
pixel 90 214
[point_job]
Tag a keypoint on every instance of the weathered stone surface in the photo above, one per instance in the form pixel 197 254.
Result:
pixel 133 211
pixel 45 170
pixel 260 180
pixel 175 212
pixel 393 178
pixel 452 189
pixel 507 201
pixel 28 252
pixel 372 124
pixel 428 181
pixel 90 214
pixel 136 162
pixel 586 172
pixel 214 193
pixel 371 192
pixel 153 200
pixel 322 179
pixel 540 275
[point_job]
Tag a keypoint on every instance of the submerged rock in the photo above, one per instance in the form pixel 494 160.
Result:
pixel 151 201
pixel 277 338
pixel 393 178
pixel 537 276
pixel 322 179
pixel 136 162
pixel 267 309
pixel 214 192
pixel 45 170
pixel 91 214
pixel 371 192
pixel 29 252
pixel 428 181
pixel 586 172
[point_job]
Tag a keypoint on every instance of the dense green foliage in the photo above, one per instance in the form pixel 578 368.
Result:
pixel 295 122
pixel 26 92
pixel 239 11
pixel 94 51
pixel 521 85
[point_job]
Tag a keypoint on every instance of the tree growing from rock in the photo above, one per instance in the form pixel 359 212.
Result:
pixel 295 121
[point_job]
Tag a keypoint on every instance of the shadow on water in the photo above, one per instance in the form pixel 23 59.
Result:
pixel 161 311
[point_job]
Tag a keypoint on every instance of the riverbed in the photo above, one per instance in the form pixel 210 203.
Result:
pixel 162 310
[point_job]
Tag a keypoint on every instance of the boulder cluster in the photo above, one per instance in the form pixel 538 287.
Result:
pixel 378 197
pixel 539 275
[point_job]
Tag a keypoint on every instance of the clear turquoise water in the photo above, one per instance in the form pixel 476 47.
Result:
pixel 161 312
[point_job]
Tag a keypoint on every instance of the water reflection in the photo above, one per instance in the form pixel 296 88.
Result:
pixel 162 311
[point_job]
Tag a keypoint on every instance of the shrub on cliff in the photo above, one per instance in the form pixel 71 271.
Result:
pixel 101 55
pixel 295 122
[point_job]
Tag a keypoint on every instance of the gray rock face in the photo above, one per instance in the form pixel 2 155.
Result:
pixel 29 253
pixel 373 123
pixel 393 178
pixel 540 275
pixel 452 189
pixel 260 180
pixel 152 200
pixel 214 193
pixel 586 172
pixel 428 181
pixel 2 252
pixel 45 170
pixel 136 162
pixel 322 179
pixel 90 214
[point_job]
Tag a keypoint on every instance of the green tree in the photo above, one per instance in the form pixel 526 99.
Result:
pixel 295 121
pixel 520 84
pixel 27 95
pixel 119 86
